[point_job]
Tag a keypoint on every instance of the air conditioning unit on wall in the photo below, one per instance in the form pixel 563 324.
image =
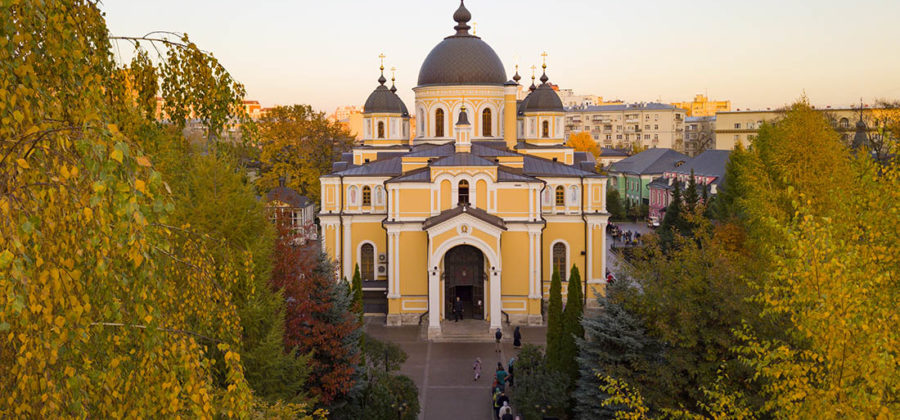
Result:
pixel 382 266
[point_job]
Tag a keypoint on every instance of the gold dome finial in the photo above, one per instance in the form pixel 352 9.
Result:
pixel 544 57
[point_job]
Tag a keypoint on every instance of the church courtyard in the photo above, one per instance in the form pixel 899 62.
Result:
pixel 443 370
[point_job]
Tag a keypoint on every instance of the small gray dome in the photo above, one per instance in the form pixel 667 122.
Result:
pixel 543 99
pixel 462 59
pixel 383 101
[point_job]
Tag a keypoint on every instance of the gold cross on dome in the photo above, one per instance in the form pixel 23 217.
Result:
pixel 382 57
pixel 533 68
pixel 544 56
pixel 393 69
pixel 474 28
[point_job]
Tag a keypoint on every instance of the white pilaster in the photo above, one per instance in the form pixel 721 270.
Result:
pixel 393 283
pixel 434 302
pixel 346 253
pixel 495 300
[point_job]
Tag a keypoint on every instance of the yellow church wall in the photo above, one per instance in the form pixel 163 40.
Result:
pixel 512 202
pixel 367 232
pixel 489 239
pixel 330 233
pixel 413 269
pixel 514 253
pixel 446 194
pixel 415 202
pixel 573 235
pixel 481 194
pixel 329 194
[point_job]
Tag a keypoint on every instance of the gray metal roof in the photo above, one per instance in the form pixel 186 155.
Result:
pixel 505 175
pixel 288 196
pixel 388 167
pixel 463 159
pixel 418 175
pixel 609 152
pixel 382 100
pixel 544 99
pixel 460 210
pixel 649 162
pixel 709 163
pixel 535 166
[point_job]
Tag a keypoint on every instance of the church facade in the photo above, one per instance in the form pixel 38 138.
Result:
pixel 483 204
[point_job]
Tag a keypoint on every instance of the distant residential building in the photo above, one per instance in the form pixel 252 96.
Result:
pixel 650 125
pixel 699 134
pixel 286 203
pixel 252 109
pixel 609 155
pixel 701 106
pixel 631 176
pixel 741 126
pixel 709 173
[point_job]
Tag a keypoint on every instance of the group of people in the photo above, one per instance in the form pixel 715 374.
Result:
pixel 627 237
pixel 503 377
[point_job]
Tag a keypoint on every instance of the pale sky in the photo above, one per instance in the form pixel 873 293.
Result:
pixel 758 54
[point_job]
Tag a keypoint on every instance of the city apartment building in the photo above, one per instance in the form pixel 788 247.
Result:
pixel 651 125
pixel 741 126
pixel 699 135
pixel 701 106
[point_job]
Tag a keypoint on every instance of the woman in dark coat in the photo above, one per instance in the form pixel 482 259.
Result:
pixel 517 338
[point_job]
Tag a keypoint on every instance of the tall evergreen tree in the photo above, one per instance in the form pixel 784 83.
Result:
pixel 572 328
pixel 691 195
pixel 554 322
pixel 356 290
pixel 673 220
pixel 616 346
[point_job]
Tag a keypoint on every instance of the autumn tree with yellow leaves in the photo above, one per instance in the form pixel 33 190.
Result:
pixel 110 308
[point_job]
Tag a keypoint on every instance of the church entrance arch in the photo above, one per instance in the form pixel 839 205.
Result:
pixel 464 277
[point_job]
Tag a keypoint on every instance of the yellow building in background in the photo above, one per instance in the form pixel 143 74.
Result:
pixel 484 204
pixel 703 107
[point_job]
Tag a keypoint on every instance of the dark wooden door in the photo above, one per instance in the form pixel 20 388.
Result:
pixel 464 268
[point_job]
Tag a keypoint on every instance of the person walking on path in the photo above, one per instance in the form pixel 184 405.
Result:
pixel 457 309
pixel 496 398
pixel 506 410
pixel 477 368
pixel 501 376
pixel 517 338
pixel 498 335
pixel 512 375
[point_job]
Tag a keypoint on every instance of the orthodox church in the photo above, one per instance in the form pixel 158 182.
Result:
pixel 483 204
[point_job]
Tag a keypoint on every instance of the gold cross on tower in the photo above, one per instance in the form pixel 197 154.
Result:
pixel 544 57
pixel 382 57
pixel 393 69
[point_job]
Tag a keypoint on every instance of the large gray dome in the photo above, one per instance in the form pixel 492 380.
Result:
pixel 462 59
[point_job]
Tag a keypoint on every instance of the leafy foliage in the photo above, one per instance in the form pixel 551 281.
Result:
pixel 299 144
pixel 540 391
pixel 385 394
pixel 614 205
pixel 572 328
pixel 555 326
pixel 318 317
pixel 615 346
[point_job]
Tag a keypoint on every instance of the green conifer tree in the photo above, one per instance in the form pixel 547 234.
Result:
pixel 572 328
pixel 691 195
pixel 356 290
pixel 554 322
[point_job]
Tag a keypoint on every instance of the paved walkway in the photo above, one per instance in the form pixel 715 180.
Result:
pixel 443 371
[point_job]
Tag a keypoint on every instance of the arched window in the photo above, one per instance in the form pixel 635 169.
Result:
pixel 545 129
pixel 463 192
pixel 560 196
pixel 439 123
pixel 379 196
pixel 559 259
pixel 381 129
pixel 486 122
pixel 367 196
pixel 367 262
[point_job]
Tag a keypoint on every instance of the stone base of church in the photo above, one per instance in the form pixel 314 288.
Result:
pixel 526 320
pixel 397 320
